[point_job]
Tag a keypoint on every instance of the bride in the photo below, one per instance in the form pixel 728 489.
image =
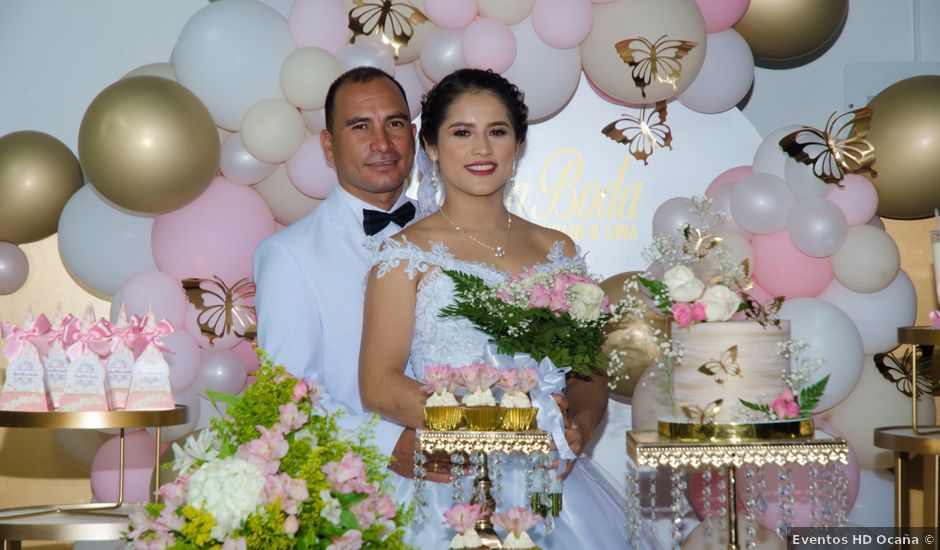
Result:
pixel 473 125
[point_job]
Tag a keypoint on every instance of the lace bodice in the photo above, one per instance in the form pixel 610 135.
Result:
pixel 445 340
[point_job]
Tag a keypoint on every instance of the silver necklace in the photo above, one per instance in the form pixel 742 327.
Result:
pixel 498 251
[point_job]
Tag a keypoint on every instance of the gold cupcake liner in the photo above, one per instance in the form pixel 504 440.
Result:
pixel 443 418
pixel 484 419
pixel 518 419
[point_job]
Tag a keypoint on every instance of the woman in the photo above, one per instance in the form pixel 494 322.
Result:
pixel 473 126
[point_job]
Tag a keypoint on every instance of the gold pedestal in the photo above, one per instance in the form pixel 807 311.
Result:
pixel 918 336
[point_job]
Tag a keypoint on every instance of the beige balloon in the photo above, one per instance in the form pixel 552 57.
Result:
pixel 868 260
pixel 624 19
pixel 651 401
pixel 148 144
pixel 764 538
pixel 164 70
pixel 286 202
pixel 272 130
pixel 412 50
pixel 38 174
pixel 306 76
pixel 780 30
pixel 857 419
pixel 507 12
pixel 905 131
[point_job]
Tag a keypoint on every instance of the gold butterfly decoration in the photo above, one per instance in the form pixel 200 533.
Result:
pixel 395 21
pixel 222 310
pixel 659 61
pixel 723 367
pixel 898 371
pixel 838 150
pixel 699 243
pixel 702 415
pixel 641 134
pixel 764 313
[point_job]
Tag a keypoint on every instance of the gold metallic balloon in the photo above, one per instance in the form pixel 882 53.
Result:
pixel 905 131
pixel 631 336
pixel 148 144
pixel 38 174
pixel 781 30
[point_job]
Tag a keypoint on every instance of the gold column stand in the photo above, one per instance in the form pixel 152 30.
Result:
pixel 918 336
pixel 648 448
pixel 81 521
pixel 460 441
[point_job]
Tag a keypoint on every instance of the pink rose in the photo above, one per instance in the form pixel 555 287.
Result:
pixel 785 406
pixel 559 294
pixel 698 311
pixel 348 475
pixel 682 313
pixel 539 296
pixel 351 540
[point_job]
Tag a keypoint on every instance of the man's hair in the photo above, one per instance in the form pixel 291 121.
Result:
pixel 359 75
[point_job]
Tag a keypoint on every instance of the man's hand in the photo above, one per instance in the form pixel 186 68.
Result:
pixel 438 464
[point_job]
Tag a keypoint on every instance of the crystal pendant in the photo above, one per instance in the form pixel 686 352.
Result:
pixel 499 252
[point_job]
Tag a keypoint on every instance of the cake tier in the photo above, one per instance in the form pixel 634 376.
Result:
pixel 729 361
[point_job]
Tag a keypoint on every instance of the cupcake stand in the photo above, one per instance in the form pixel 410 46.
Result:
pixel 724 450
pixel 83 521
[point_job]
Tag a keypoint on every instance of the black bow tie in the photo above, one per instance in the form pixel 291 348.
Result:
pixel 374 221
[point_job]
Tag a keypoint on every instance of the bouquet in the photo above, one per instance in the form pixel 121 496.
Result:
pixel 559 314
pixel 275 472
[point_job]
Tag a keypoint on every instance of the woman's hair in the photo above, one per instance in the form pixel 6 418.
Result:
pixel 438 100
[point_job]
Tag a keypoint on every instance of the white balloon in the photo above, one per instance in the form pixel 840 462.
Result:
pixel 442 54
pixel 407 76
pixel 673 215
pixel 101 244
pixel 314 120
pixel 164 70
pixel 230 54
pixel 875 488
pixel 803 182
pixel 282 6
pixel 761 203
pixel 306 77
pixel 546 92
pixel 725 77
pixel 831 336
pixel 364 53
pixel 507 12
pixel 287 203
pixel 272 130
pixel 239 166
pixel 867 261
pixel 817 227
pixel 769 157
pixel 877 314
pixel 189 398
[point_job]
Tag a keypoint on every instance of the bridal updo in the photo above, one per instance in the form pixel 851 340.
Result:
pixel 435 103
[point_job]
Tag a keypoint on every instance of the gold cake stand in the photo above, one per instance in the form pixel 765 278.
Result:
pixel 81 521
pixel 649 448
pixel 461 441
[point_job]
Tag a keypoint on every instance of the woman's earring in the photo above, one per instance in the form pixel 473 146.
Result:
pixel 434 179
pixel 512 176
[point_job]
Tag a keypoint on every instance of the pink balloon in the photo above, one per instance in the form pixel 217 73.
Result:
pixel 721 14
pixel 222 371
pixel 488 44
pixel 858 199
pixel 719 191
pixel 604 95
pixel 803 506
pixel 731 175
pixel 246 351
pixel 451 14
pixel 320 23
pixel 139 451
pixel 183 359
pixel 785 271
pixel 215 235
pixel 308 171
pixel 562 23
pixel 157 289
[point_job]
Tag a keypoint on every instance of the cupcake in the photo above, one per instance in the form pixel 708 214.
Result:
pixel 516 383
pixel 517 522
pixel 479 404
pixel 463 518
pixel 441 410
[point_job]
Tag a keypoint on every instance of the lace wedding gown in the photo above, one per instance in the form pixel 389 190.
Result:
pixel 594 510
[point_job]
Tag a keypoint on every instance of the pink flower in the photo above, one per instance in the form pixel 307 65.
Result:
pixel 235 544
pixel 351 540
pixel 314 390
pixel 437 378
pixel 266 451
pixel 290 491
pixel 528 379
pixel 517 520
pixel 291 525
pixel 698 311
pixel 519 277
pixel 372 509
pixel 605 304
pixel 174 494
pixel 489 376
pixel 348 475
pixel 559 294
pixel 300 391
pixel 785 406
pixel 509 380
pixel 539 296
pixel 462 517
pixel 682 313
pixel 503 295
pixel 291 418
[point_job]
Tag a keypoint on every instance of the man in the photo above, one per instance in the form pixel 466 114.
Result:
pixel 310 276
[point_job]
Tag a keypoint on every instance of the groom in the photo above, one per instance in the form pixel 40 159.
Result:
pixel 310 276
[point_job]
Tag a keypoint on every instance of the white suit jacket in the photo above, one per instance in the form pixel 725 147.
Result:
pixel 310 280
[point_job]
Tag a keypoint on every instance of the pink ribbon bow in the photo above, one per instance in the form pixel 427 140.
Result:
pixel 58 332
pixel 97 339
pixel 161 329
pixel 17 336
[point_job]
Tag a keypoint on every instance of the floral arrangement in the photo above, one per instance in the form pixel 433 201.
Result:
pixel 463 518
pixel 801 396
pixel 517 522
pixel 275 472
pixel 559 314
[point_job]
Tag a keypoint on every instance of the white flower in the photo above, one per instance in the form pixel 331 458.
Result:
pixel 481 398
pixel 229 489
pixel 522 541
pixel 331 507
pixel 202 448
pixel 442 399
pixel 585 301
pixel 682 284
pixel 720 303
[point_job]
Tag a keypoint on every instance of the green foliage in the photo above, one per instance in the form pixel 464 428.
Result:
pixel 266 530
pixel 660 292
pixel 759 407
pixel 809 396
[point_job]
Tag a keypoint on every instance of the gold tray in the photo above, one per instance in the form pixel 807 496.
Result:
pixel 733 432
pixel 94 420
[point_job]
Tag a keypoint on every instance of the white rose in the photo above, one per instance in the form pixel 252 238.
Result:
pixel 229 489
pixel 682 284
pixel 720 303
pixel 585 301
pixel 442 399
